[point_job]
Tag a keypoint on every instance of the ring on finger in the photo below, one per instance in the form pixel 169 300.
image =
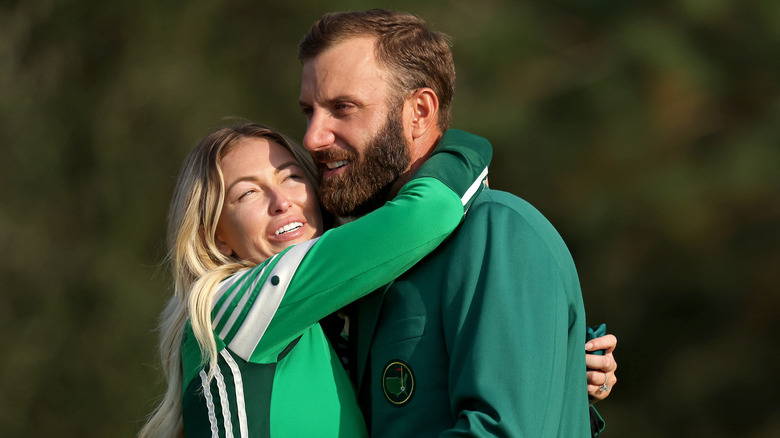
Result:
pixel 604 387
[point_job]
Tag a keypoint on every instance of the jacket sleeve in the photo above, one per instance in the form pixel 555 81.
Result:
pixel 597 424
pixel 273 303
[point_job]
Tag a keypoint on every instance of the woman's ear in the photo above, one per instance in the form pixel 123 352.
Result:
pixel 222 246
pixel 424 105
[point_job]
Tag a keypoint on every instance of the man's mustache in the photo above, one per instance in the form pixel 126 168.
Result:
pixel 334 154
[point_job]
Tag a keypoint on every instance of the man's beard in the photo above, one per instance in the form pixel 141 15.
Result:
pixel 366 183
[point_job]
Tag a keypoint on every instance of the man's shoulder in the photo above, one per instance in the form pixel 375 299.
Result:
pixel 506 216
pixel 490 203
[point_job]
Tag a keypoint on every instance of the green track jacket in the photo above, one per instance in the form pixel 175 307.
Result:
pixel 277 374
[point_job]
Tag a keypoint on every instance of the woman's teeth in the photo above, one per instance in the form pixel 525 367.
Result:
pixel 289 227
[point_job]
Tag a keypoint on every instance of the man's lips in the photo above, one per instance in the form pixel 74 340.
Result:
pixel 333 160
pixel 330 169
pixel 335 164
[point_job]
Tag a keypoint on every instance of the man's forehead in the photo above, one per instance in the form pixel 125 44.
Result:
pixel 355 50
pixel 348 66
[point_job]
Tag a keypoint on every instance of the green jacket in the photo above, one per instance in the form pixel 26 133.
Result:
pixel 484 337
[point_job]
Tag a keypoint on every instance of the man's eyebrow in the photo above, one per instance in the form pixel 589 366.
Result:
pixel 331 101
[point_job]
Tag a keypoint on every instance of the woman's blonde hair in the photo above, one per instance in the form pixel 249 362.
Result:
pixel 196 263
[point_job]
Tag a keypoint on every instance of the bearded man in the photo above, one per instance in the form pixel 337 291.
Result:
pixel 484 337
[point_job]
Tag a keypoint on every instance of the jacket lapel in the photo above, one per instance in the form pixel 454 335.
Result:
pixel 367 315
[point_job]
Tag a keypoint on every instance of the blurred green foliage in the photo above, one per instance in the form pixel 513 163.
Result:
pixel 646 131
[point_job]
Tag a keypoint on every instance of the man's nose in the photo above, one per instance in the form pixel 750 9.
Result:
pixel 319 133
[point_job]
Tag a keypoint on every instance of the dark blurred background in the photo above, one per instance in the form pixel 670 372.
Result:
pixel 647 131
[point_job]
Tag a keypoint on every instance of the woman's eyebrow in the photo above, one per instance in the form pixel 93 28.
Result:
pixel 281 167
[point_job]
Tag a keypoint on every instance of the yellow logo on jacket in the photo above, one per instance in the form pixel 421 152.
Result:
pixel 398 382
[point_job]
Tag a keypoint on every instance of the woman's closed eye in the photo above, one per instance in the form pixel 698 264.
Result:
pixel 246 193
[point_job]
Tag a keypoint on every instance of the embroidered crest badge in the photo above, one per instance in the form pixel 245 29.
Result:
pixel 398 382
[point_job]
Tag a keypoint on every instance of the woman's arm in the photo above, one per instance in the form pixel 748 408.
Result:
pixel 310 280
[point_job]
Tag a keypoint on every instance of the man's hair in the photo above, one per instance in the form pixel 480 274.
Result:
pixel 415 55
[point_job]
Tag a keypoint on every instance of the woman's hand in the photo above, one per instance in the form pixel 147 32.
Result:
pixel 601 368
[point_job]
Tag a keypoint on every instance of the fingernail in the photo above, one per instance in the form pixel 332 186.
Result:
pixel 589 345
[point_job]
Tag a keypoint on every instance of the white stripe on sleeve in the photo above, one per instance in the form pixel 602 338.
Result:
pixel 473 188
pixel 268 300
pixel 238 383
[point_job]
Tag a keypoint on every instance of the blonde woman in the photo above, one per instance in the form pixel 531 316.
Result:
pixel 254 271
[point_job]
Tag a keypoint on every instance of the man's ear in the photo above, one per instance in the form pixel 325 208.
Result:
pixel 424 105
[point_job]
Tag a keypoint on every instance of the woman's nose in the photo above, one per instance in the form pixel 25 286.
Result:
pixel 280 203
